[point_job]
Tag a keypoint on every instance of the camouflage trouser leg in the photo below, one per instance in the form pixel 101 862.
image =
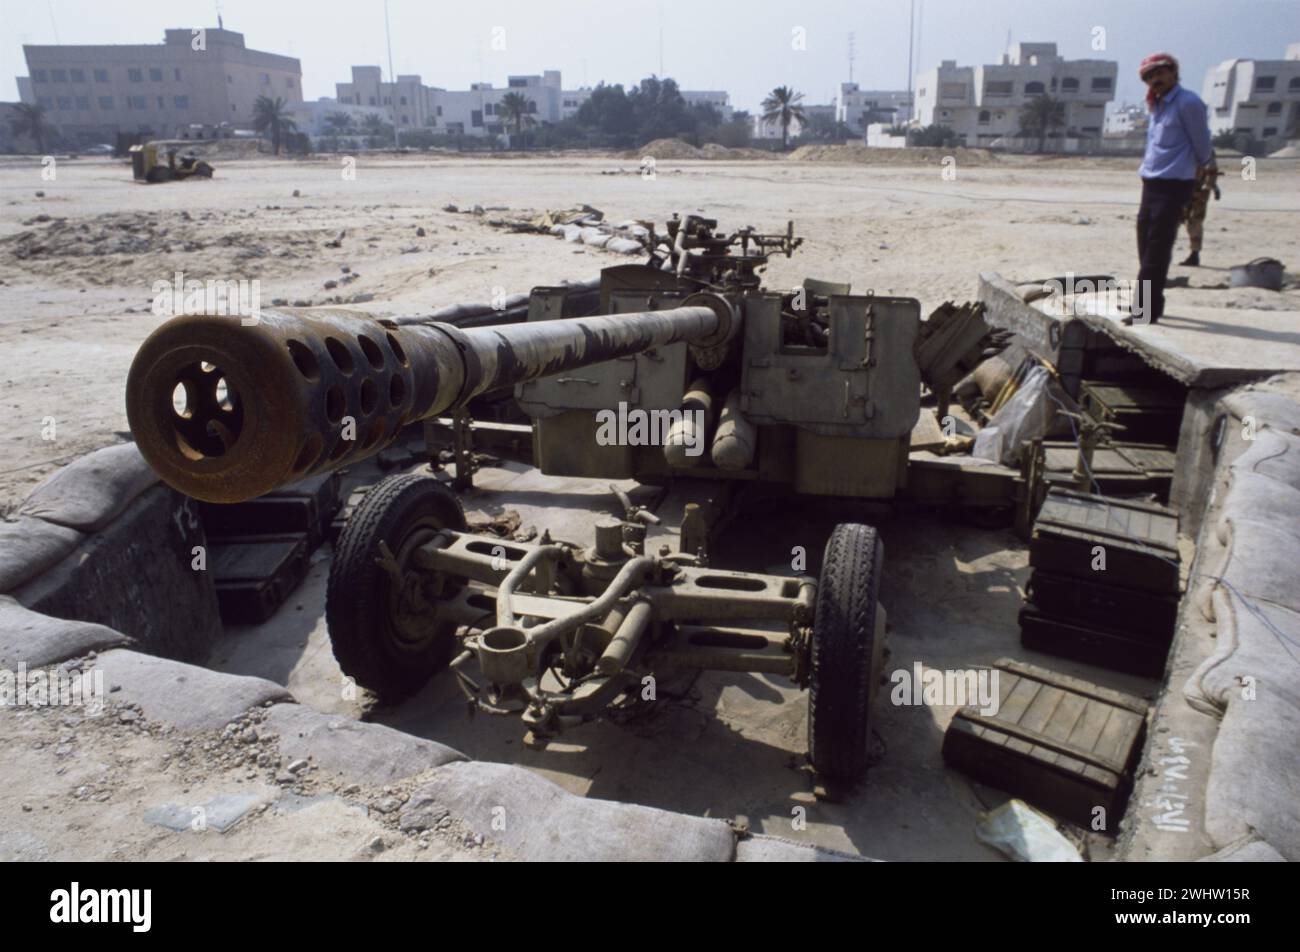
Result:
pixel 1194 218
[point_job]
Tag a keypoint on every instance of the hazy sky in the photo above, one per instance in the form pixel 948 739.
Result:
pixel 742 46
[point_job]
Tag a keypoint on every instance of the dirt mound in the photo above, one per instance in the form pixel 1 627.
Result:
pixel 666 149
pixel 861 155
pixel 712 150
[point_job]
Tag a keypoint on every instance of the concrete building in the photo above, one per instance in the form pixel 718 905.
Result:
pixel 716 98
pixel 983 103
pixel 409 104
pixel 1260 98
pixel 194 77
pixel 313 118
pixel 1127 120
pixel 857 108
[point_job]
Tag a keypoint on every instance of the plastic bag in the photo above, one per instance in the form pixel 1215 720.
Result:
pixel 1024 834
pixel 1023 418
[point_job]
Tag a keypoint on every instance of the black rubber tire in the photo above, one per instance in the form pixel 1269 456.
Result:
pixel 845 654
pixel 359 595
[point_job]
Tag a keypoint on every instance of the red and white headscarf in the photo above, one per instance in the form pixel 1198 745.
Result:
pixel 1155 61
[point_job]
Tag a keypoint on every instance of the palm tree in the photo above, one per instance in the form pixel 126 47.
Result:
pixel 1041 115
pixel 514 107
pixel 29 119
pixel 273 115
pixel 783 105
pixel 339 123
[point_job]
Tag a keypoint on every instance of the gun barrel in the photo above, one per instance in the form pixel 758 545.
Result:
pixel 226 412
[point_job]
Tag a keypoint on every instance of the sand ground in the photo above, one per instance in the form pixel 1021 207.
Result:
pixel 78 286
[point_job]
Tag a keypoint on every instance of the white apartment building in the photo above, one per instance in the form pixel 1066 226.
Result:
pixel 983 103
pixel 192 78
pixel 856 108
pixel 1127 120
pixel 1257 97
pixel 476 111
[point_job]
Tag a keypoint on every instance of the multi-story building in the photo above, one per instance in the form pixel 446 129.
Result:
pixel 983 103
pixel 1260 98
pixel 716 98
pixel 1127 120
pixel 476 111
pixel 858 108
pixel 194 77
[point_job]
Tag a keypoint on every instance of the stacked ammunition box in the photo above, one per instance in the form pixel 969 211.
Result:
pixel 1105 584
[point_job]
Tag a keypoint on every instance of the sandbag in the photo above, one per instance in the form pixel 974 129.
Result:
pixel 624 246
pixel 30 546
pixel 90 492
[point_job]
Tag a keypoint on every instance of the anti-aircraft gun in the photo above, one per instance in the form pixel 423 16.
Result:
pixel 811 387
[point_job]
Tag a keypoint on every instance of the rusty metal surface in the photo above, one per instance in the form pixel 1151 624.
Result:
pixel 226 412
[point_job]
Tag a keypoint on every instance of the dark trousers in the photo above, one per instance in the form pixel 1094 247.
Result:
pixel 1158 219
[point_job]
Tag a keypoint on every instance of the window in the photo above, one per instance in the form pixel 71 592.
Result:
pixel 1070 85
pixel 134 75
pixel 406 120
pixel 402 100
pixel 490 109
pixel 1274 109
pixel 101 75
pixel 1263 84
pixel 162 103
pixel 1101 84
pixel 45 102
pixel 476 118
pixel 181 102
pixel 40 76
pixel 65 102
pixel 137 102
pixel 1035 89
pixel 266 79
pixel 58 75
pixel 155 74
pixel 1000 88
pixel 105 102
pixel 372 100
pixel 288 83
pixel 517 82
pixel 1270 131
pixel 1294 84
pixel 229 79
pixel 952 90
pixel 984 117
pixel 83 103
pixel 440 110
pixel 78 75
pixel 388 100
pixel 532 106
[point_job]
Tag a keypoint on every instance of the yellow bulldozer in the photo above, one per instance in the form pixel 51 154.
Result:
pixel 159 162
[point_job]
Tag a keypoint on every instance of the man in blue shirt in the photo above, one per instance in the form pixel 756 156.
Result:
pixel 1178 155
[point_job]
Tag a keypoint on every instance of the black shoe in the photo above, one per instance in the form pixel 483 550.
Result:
pixel 1131 320
pixel 1193 260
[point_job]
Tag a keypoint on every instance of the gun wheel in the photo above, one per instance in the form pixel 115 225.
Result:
pixel 846 654
pixel 382 611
